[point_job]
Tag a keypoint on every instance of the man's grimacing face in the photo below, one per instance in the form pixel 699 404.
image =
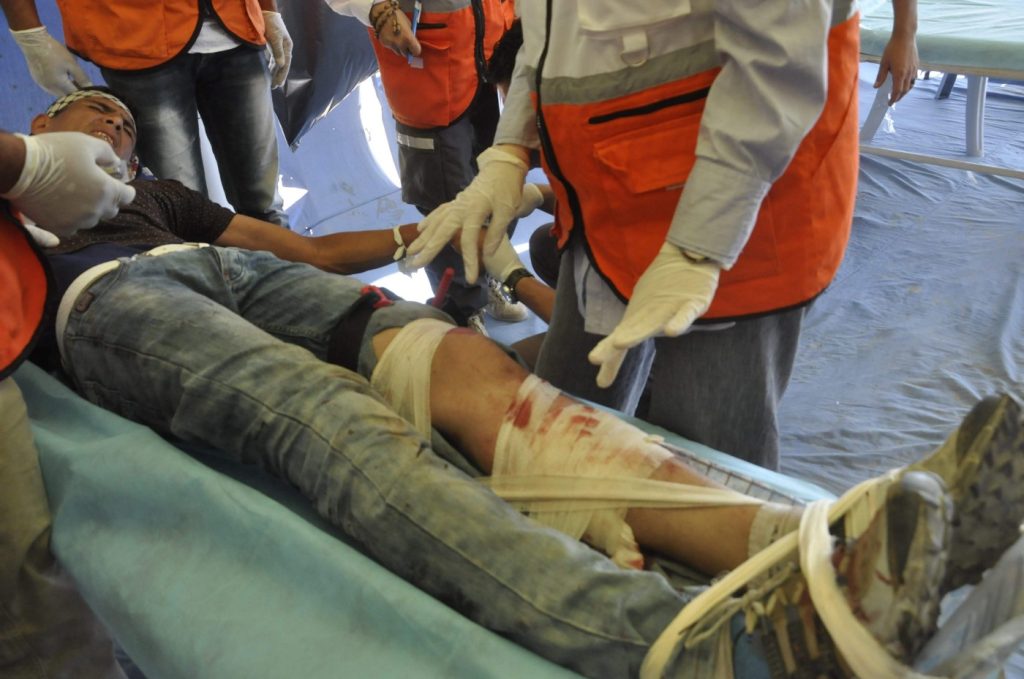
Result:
pixel 99 117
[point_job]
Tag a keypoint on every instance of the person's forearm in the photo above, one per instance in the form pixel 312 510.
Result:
pixel 776 64
pixel 344 253
pixel 358 251
pixel 21 14
pixel 904 18
pixel 518 122
pixel 12 160
pixel 538 297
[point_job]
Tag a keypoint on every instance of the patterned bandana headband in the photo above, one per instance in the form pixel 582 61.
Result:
pixel 127 170
pixel 68 99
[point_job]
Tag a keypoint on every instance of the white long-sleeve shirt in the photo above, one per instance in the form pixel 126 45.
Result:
pixel 360 9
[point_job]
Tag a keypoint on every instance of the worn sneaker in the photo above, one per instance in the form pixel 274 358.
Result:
pixel 499 307
pixel 888 576
pixel 893 571
pixel 982 464
pixel 476 322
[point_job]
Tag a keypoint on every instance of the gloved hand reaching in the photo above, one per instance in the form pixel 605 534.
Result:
pixel 495 194
pixel 50 63
pixel 671 294
pixel 66 183
pixel 502 262
pixel 280 44
pixel 533 198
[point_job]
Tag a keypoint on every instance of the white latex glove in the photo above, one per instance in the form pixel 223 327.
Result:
pixel 671 294
pixel 66 182
pixel 495 194
pixel 280 44
pixel 532 199
pixel 502 262
pixel 50 63
pixel 43 239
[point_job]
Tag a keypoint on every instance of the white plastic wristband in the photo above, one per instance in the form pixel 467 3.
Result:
pixel 400 251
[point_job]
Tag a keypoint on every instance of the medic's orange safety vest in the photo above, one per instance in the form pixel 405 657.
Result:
pixel 129 35
pixel 24 283
pixel 627 173
pixel 457 37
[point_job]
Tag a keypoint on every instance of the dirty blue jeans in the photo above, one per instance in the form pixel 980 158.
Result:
pixel 225 347
pixel 231 91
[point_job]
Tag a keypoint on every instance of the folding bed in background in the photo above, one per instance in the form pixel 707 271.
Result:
pixel 979 39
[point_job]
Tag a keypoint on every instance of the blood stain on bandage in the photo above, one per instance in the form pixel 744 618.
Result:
pixel 520 415
pixel 552 415
pixel 585 421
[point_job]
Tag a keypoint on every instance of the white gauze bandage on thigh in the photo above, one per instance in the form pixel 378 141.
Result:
pixel 586 466
pixel 402 375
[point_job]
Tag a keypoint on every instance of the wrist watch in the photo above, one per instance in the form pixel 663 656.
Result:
pixel 508 288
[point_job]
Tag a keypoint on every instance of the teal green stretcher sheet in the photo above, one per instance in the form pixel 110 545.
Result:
pixel 202 568
pixel 981 36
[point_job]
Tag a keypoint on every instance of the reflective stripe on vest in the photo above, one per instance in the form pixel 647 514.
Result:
pixel 24 283
pixel 129 35
pixel 628 158
pixel 437 94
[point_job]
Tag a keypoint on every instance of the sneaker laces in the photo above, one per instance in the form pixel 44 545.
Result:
pixel 865 656
pixel 753 604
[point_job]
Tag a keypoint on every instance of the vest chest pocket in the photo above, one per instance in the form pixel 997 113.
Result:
pixel 657 157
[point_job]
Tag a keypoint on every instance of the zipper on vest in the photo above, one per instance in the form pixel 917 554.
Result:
pixel 677 100
pixel 478 44
pixel 545 139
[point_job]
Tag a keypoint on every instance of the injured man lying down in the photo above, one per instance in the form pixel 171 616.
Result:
pixel 256 345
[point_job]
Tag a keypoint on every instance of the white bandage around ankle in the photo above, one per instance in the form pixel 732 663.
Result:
pixel 402 375
pixel 578 470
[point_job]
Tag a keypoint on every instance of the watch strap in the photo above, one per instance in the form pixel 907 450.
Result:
pixel 509 285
